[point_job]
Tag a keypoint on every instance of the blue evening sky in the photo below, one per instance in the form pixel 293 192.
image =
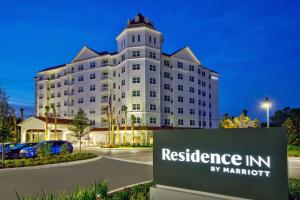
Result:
pixel 255 45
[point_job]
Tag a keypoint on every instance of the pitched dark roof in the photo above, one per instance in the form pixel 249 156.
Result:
pixel 54 67
pixel 140 20
pixel 51 120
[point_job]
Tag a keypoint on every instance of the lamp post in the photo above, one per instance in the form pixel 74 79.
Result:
pixel 267 105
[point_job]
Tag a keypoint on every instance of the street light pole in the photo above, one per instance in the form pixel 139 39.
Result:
pixel 267 105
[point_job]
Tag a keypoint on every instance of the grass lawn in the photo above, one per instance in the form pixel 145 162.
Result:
pixel 294 151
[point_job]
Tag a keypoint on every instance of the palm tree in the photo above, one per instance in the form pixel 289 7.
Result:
pixel 46 119
pixel 55 121
pixel 133 118
pixel 108 128
pixel 22 113
pixel 125 133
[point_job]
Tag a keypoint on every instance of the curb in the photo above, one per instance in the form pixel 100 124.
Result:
pixel 51 165
pixel 150 163
pixel 128 186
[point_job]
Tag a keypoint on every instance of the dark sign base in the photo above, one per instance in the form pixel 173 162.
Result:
pixel 160 192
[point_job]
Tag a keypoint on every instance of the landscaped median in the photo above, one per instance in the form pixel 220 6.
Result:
pixel 53 159
pixel 99 191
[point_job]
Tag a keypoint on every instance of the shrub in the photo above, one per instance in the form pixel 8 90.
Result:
pixel 294 189
pixel 64 150
pixel 44 151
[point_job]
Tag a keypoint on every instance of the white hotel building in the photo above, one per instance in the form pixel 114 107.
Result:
pixel 159 89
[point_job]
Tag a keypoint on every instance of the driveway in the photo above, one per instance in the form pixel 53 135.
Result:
pixel 294 167
pixel 56 179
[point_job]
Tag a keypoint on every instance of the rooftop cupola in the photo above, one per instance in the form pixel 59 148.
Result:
pixel 140 20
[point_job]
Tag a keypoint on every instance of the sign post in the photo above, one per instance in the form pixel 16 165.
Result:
pixel 220 164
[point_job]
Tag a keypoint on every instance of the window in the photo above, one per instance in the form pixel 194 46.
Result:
pixel 52 85
pixel 123 95
pixel 192 111
pixel 52 95
pixel 123 57
pixel 203 113
pixel 65 103
pixel 204 123
pixel 136 106
pixel 136 67
pixel 150 39
pixel 114 85
pixel 139 38
pixel 180 65
pixel 154 40
pixel 167 86
pixel 192 90
pixel 167 122
pixel 80 67
pixel 92 122
pixel 152 81
pixel 41 78
pixel 92 76
pixel 58 84
pixel 92 99
pixel 180 76
pixel 203 73
pixel 66 92
pixel 40 96
pixel 136 53
pixel 180 87
pixel 114 73
pixel 52 76
pixel 180 110
pixel 166 63
pixel 167 109
pixel 123 70
pixel 136 80
pixel 199 82
pixel 199 92
pixel 192 79
pixel 166 98
pixel 92 87
pixel 166 74
pixel 137 120
pixel 80 78
pixel 203 83
pixel 80 89
pixel 192 122
pixel 152 94
pixel 203 93
pixel 180 99
pixel 132 38
pixel 192 100
pixel 80 100
pixel 58 94
pixel 203 103
pixel 152 68
pixel 123 82
pixel 41 87
pixel 152 54
pixel 191 68
pixel 92 65
pixel 152 120
pixel 152 107
pixel 136 93
pixel 180 122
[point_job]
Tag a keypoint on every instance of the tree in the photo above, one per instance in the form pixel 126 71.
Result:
pixel 80 126
pixel 22 113
pixel 55 121
pixel 125 133
pixel 46 119
pixel 133 119
pixel 241 121
pixel 5 126
pixel 293 135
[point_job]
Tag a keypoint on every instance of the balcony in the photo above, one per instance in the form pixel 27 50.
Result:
pixel 104 89
pixel 104 100
pixel 104 77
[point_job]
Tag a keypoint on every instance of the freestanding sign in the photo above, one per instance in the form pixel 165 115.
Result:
pixel 245 163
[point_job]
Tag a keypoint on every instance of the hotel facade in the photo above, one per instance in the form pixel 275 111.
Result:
pixel 160 90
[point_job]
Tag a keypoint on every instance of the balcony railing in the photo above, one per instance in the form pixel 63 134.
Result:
pixel 104 77
pixel 104 89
